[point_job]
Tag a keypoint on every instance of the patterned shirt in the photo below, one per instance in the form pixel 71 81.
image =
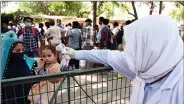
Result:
pixel 30 41
pixel 105 39
pixel 88 37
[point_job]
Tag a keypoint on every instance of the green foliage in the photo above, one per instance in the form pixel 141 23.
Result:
pixel 108 7
pixel 17 16
pixel 14 16
pixel 177 12
pixel 40 7
pixel 65 8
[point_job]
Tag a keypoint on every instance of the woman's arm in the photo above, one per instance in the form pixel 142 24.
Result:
pixel 113 58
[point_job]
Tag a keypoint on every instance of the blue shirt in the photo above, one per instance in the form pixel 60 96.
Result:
pixel 74 38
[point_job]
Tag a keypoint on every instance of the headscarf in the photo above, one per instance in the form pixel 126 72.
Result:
pixel 153 49
pixel 7 43
pixel 153 46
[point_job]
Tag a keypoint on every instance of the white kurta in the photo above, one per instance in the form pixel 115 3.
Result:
pixel 153 50
pixel 170 92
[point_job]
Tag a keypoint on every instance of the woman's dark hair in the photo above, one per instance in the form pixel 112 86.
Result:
pixel 47 24
pixel 69 24
pixel 14 44
pixel 41 24
pixel 106 21
pixel 79 25
pixel 52 22
pixel 75 24
pixel 101 18
pixel 53 50
pixel 25 18
pixel 88 20
pixel 115 24
pixel 96 27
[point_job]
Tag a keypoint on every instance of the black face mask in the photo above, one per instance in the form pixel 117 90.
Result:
pixel 17 57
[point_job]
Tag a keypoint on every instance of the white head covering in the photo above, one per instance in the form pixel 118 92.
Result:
pixel 152 50
pixel 153 46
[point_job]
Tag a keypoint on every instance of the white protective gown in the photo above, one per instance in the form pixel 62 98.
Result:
pixel 153 50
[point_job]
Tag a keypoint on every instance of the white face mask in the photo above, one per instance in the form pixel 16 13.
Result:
pixel 28 24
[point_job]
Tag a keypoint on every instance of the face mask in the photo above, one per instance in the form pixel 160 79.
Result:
pixel 4 29
pixel 87 23
pixel 28 24
pixel 16 57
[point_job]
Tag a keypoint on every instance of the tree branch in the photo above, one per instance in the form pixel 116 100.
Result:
pixel 134 8
pixel 127 10
pixel 160 7
pixel 181 2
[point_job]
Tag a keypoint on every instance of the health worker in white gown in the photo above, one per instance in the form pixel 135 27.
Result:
pixel 153 59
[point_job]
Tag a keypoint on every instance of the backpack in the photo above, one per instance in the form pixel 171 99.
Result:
pixel 111 39
pixel 119 36
pixel 33 31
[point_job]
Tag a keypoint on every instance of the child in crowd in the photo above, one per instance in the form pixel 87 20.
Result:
pixel 48 64
pixel 64 58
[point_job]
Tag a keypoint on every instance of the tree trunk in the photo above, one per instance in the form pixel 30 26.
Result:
pixel 134 8
pixel 94 17
pixel 94 12
pixel 151 8
pixel 160 7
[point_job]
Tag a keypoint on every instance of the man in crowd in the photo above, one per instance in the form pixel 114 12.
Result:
pixel 47 25
pixel 75 41
pixel 87 37
pixel 99 32
pixel 12 27
pixel 31 36
pixel 67 29
pixel 105 35
pixel 60 24
pixel 4 28
pixel 54 34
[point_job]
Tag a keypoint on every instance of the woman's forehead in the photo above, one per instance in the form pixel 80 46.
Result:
pixel 46 51
pixel 19 45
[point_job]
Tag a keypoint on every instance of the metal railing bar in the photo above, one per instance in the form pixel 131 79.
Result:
pixel 56 91
pixel 38 78
pixel 84 90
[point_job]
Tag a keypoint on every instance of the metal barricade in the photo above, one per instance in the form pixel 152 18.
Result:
pixel 86 86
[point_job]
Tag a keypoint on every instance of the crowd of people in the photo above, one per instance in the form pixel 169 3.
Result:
pixel 36 51
pixel 74 35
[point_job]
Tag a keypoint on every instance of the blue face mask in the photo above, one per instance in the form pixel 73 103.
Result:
pixel 28 24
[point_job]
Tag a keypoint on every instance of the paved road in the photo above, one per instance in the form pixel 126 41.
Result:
pixel 115 91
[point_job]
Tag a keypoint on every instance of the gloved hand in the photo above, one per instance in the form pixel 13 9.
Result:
pixel 70 52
